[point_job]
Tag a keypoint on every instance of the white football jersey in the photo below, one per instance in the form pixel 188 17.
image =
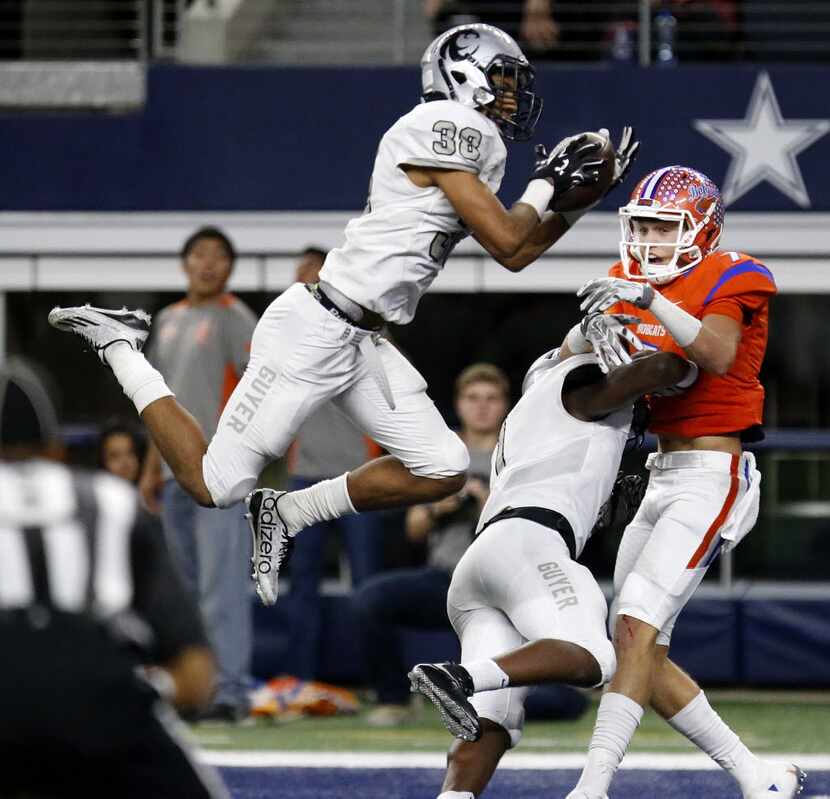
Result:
pixel 547 458
pixel 394 250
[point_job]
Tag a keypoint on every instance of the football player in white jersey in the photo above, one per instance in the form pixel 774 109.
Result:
pixel 434 180
pixel 524 610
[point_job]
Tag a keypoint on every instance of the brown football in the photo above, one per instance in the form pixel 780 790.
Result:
pixel 582 196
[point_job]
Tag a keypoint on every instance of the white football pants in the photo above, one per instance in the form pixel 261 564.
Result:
pixel 517 583
pixel 301 356
pixel 695 502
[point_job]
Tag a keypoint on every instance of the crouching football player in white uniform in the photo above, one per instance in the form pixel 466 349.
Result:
pixel 519 583
pixel 434 181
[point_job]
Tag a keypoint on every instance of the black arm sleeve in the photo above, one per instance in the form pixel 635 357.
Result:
pixel 159 596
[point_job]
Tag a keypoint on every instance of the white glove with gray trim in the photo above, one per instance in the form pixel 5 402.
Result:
pixel 609 337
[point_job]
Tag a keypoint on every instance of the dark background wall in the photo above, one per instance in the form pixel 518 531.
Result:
pixel 304 139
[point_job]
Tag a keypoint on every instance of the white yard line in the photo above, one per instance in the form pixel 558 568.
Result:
pixel 654 761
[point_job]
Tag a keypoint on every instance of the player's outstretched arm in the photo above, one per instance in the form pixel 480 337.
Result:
pixel 712 343
pixel 553 225
pixel 501 232
pixel 621 387
pixel 504 233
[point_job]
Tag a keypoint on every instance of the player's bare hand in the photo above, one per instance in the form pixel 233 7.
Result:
pixel 603 292
pixel 476 488
pixel 149 487
pixel 446 506
pixel 573 162
pixel 540 30
pixel 625 154
pixel 611 339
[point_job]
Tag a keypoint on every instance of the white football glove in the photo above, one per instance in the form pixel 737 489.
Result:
pixel 608 336
pixel 603 292
pixel 624 154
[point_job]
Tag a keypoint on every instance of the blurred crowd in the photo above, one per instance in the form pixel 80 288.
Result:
pixel 680 30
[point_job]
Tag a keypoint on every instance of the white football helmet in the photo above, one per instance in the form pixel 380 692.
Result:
pixel 475 65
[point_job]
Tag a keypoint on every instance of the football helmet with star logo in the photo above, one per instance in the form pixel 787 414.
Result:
pixel 680 195
pixel 482 67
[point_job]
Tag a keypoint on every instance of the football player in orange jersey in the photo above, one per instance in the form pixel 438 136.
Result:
pixel 703 492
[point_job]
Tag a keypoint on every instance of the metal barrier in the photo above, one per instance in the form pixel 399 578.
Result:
pixel 648 32
pixel 658 32
pixel 74 30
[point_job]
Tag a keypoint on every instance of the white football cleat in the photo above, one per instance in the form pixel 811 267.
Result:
pixel 783 781
pixel 272 542
pixel 575 794
pixel 100 327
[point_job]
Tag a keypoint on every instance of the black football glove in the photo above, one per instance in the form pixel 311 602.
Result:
pixel 623 503
pixel 573 162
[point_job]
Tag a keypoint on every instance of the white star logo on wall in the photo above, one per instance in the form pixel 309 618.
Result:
pixel 764 145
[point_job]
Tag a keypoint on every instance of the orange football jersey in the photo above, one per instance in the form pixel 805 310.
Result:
pixel 733 284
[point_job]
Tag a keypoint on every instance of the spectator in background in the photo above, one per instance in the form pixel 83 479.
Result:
pixel 549 29
pixel 93 648
pixel 681 30
pixel 327 445
pixel 707 30
pixel 201 345
pixel 418 597
pixel 121 450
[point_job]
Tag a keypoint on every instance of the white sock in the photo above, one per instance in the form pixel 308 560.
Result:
pixel 328 499
pixel 141 382
pixel 710 733
pixel 617 719
pixel 456 795
pixel 486 674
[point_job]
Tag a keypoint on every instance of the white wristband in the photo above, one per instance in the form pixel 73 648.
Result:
pixel 538 195
pixel 682 326
pixel 576 342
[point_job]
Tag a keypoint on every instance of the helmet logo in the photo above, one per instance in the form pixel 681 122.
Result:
pixel 700 192
pixel 460 46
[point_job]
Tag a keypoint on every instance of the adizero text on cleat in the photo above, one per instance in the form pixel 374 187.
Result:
pixel 272 543
pixel 447 686
pixel 101 327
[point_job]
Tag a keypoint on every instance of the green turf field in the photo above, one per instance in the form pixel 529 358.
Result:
pixel 768 722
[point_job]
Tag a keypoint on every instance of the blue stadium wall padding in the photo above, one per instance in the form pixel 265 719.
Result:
pixel 705 640
pixel 748 641
pixel 269 138
pixel 786 642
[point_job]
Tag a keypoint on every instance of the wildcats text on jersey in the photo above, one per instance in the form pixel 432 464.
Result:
pixel 652 331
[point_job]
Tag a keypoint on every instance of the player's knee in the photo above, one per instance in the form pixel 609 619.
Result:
pixel 449 459
pixel 633 637
pixel 606 661
pixel 195 486
pixel 644 602
pixel 212 487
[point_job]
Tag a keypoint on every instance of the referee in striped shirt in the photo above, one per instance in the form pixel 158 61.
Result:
pixel 97 637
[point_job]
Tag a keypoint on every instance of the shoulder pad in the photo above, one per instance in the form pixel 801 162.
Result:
pixel 730 274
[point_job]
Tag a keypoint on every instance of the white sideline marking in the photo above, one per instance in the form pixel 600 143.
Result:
pixel 661 761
